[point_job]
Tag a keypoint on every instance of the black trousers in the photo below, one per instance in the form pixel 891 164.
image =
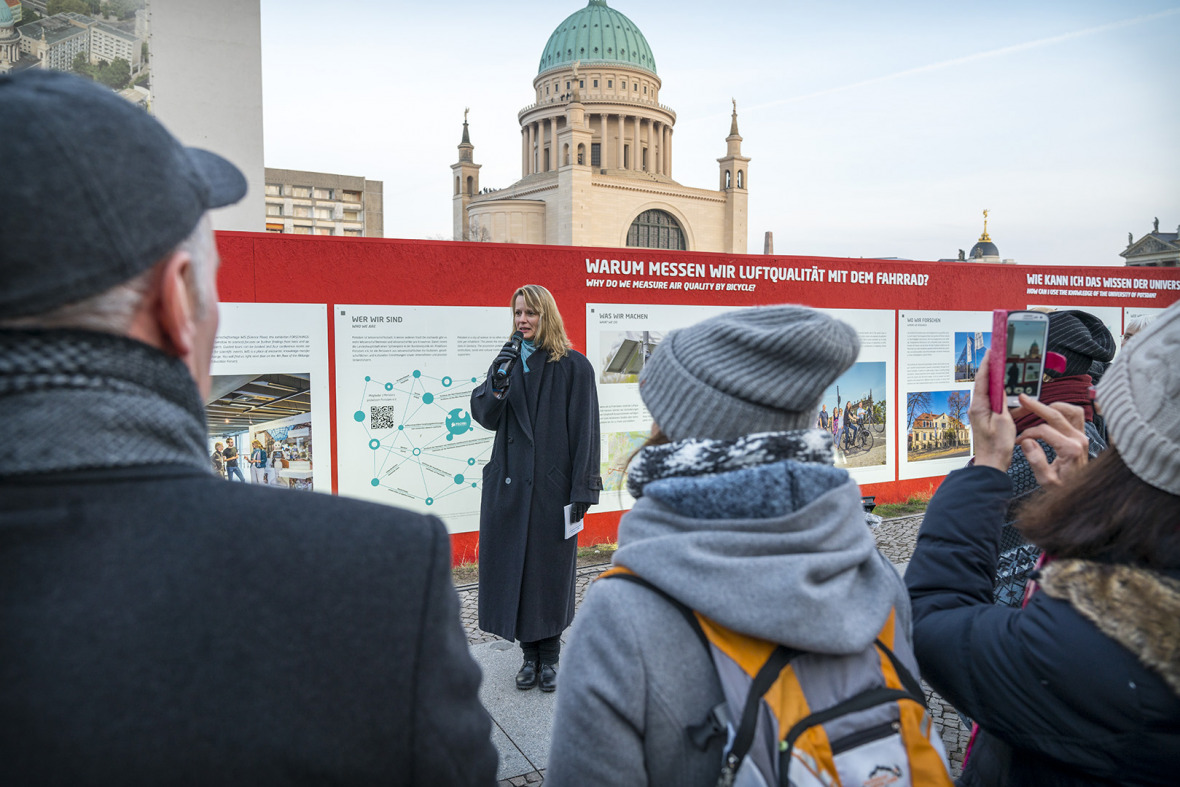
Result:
pixel 545 650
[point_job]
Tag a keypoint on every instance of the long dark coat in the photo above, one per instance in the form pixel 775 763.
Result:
pixel 546 455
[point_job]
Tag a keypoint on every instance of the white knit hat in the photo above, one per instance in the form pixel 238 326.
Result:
pixel 1140 399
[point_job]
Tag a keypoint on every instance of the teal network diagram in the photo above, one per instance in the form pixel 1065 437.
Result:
pixel 425 447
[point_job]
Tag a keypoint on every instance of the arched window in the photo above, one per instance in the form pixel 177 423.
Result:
pixel 565 155
pixel 456 185
pixel 728 178
pixel 581 154
pixel 739 180
pixel 656 229
pixel 470 186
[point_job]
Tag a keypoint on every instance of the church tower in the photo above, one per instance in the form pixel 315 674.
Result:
pixel 466 174
pixel 734 172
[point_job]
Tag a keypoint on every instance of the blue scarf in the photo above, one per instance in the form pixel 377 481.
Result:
pixel 527 348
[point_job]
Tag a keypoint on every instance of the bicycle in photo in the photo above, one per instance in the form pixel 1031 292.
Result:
pixel 878 424
pixel 862 441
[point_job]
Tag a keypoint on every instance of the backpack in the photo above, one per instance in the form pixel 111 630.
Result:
pixel 797 719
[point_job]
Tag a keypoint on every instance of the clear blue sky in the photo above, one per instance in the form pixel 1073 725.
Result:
pixel 938 403
pixel 875 129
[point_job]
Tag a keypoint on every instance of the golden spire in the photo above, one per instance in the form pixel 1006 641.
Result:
pixel 984 237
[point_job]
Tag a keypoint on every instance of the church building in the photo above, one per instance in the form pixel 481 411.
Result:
pixel 596 148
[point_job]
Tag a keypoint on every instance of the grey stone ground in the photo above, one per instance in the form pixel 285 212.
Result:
pixel 522 720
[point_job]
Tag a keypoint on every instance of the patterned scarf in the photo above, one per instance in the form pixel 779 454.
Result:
pixel 77 400
pixel 1074 389
pixel 697 457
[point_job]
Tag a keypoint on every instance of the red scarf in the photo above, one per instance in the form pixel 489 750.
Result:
pixel 1073 389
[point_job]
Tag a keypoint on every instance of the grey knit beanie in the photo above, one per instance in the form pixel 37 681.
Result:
pixel 747 371
pixel 1140 399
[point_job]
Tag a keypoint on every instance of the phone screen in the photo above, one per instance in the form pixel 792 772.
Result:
pixel 1024 365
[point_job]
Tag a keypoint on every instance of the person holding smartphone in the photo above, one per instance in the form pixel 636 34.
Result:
pixel 1081 338
pixel 544 412
pixel 1081 685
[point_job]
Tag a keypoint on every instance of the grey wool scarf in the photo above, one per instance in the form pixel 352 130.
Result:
pixel 78 400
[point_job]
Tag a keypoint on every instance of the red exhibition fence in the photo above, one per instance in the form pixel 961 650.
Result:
pixel 913 317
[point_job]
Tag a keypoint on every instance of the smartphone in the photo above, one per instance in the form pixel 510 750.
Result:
pixel 1018 356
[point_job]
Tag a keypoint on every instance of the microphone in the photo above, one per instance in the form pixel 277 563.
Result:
pixel 501 374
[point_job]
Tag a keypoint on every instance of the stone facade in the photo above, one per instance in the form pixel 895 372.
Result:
pixel 937 431
pixel 597 154
pixel 320 203
pixel 1154 250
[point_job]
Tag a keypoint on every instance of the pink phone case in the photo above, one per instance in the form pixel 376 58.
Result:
pixel 995 363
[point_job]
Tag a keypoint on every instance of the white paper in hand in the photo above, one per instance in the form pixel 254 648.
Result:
pixel 572 528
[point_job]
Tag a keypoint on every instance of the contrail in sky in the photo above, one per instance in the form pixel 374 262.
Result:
pixel 958 61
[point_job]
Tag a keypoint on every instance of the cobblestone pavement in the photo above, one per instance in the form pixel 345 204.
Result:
pixel 895 538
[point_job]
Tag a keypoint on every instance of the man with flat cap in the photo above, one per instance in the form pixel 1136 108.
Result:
pixel 157 624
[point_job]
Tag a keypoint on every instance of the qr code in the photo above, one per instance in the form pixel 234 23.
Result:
pixel 382 417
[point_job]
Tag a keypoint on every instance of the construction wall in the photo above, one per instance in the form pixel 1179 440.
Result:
pixel 410 327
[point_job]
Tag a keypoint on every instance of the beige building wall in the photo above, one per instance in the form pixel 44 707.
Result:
pixel 321 203
pixel 601 214
pixel 596 151
pixel 206 62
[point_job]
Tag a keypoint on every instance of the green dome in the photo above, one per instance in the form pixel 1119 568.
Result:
pixel 597 34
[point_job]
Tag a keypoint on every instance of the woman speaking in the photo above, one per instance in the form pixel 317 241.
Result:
pixel 539 398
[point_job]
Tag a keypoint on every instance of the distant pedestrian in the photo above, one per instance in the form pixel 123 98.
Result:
pixel 218 460
pixel 231 461
pixel 258 462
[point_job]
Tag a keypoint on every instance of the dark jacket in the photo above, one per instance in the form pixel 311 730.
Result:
pixel 546 455
pixel 1058 700
pixel 160 626
pixel 1017 556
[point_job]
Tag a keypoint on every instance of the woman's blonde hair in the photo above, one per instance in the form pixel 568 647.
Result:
pixel 550 335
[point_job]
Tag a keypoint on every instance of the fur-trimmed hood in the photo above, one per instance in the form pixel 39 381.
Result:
pixel 1138 608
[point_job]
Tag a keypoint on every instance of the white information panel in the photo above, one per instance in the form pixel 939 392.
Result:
pixel 404 376
pixel 281 348
pixel 621 337
pixel 939 354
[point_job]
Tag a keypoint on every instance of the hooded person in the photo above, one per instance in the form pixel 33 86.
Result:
pixel 1087 345
pixel 739 515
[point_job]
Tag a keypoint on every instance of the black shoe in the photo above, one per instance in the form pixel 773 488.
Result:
pixel 527 677
pixel 548 677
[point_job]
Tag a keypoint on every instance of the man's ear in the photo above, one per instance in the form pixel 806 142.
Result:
pixel 176 313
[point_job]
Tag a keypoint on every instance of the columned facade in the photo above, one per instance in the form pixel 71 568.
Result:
pixel 596 154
